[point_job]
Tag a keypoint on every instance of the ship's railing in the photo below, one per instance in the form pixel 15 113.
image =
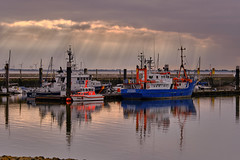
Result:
pixel 131 86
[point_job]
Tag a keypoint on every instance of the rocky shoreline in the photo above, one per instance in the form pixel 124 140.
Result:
pixel 30 158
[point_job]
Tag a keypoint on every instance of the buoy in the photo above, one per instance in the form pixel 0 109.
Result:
pixel 68 100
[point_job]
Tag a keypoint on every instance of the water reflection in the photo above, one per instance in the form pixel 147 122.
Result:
pixel 158 113
pixel 19 98
pixel 68 124
pixel 122 130
pixel 6 112
pixel 237 109
pixel 71 113
pixel 83 111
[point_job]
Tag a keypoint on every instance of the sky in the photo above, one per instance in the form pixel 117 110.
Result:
pixel 109 34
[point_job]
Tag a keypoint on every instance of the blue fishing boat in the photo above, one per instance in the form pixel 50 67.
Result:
pixel 152 84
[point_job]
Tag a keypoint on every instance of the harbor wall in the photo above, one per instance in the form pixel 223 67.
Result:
pixel 32 80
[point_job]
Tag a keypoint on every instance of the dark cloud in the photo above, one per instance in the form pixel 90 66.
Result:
pixel 191 16
pixel 217 20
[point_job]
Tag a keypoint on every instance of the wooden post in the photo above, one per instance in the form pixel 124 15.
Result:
pixel 69 71
pixel 237 78
pixel 68 79
pixel 7 76
pixel 96 74
pixel 125 75
pixel 40 77
pixel 40 74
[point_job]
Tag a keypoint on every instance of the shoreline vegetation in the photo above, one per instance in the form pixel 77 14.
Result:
pixel 4 157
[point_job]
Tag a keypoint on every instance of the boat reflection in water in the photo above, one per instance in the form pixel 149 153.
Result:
pixel 71 114
pixel 78 111
pixel 148 114
pixel 83 110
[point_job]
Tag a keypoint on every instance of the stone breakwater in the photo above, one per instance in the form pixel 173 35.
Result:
pixel 30 158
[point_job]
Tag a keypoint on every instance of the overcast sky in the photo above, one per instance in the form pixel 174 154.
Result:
pixel 111 33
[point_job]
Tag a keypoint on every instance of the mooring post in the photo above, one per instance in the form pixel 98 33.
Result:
pixel 68 79
pixel 69 71
pixel 7 76
pixel 237 78
pixel 40 74
pixel 125 75
pixel 40 77
pixel 96 74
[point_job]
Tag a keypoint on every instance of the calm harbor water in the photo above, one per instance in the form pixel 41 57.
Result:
pixel 198 128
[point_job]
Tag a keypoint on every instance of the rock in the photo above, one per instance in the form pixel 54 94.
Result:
pixel 4 157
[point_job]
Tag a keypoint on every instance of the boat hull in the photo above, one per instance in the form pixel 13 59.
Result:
pixel 36 94
pixel 87 98
pixel 157 93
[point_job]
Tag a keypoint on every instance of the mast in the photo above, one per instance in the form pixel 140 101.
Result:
pixel 182 64
pixel 154 60
pixel 50 68
pixel 9 58
pixel 199 62
pixel 182 49
pixel 149 62
pixel 141 59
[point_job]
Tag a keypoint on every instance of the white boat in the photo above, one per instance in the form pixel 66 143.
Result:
pixel 79 80
pixel 12 90
pixel 87 94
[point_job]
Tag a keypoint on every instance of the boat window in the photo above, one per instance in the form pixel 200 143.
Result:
pixel 157 77
pixel 150 77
